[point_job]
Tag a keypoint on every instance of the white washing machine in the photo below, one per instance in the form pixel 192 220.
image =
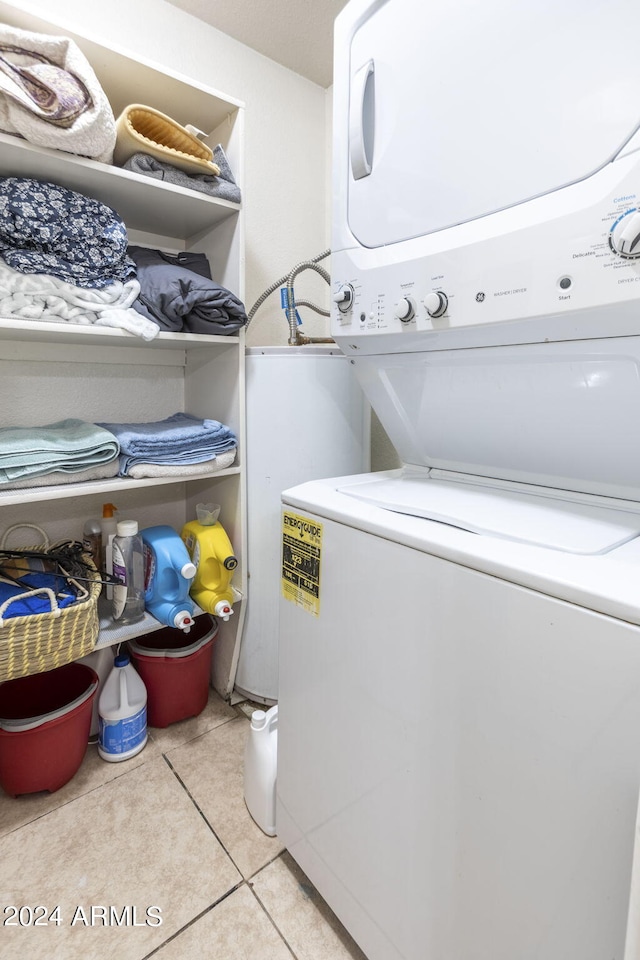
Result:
pixel 459 705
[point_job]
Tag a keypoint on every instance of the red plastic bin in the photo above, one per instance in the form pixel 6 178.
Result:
pixel 45 721
pixel 175 667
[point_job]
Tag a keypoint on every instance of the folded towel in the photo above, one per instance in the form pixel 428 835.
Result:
pixel 105 471
pixel 42 297
pixel 221 462
pixel 223 186
pixel 45 228
pixel 67 445
pixel 179 439
pixel 50 95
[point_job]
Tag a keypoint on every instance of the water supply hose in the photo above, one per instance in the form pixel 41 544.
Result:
pixel 296 338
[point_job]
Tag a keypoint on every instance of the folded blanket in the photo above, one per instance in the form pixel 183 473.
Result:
pixel 68 446
pixel 221 462
pixel 223 186
pixel 45 228
pixel 50 95
pixel 104 471
pixel 43 297
pixel 179 439
pixel 180 299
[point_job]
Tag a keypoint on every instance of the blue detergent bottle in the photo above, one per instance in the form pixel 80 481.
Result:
pixel 168 572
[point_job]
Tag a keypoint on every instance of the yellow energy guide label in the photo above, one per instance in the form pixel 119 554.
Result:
pixel 301 554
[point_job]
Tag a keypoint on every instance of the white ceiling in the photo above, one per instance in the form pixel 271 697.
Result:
pixel 296 33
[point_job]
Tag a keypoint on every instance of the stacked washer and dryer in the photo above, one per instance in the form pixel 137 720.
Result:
pixel 459 702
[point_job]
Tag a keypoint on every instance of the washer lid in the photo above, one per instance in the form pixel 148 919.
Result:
pixel 502 511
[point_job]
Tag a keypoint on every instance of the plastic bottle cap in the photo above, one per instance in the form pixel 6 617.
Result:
pixel 127 528
pixel 189 571
pixel 223 610
pixel 121 660
pixel 258 719
pixel 107 510
pixel 183 621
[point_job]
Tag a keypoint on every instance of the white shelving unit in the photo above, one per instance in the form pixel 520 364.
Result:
pixel 50 371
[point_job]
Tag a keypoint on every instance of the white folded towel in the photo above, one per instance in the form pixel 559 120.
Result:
pixel 103 471
pixel 221 462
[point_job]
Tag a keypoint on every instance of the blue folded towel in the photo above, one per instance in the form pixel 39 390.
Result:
pixel 67 445
pixel 179 439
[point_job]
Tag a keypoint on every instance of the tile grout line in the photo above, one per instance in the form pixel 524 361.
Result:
pixel 272 921
pixel 193 801
pixel 193 920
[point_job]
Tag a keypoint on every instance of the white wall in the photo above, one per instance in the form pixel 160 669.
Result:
pixel 284 188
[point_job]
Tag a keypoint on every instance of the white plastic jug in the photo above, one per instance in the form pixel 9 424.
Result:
pixel 260 762
pixel 122 712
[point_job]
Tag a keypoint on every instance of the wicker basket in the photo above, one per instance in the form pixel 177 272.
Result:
pixel 39 642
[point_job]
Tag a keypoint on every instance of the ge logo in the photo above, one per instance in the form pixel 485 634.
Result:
pixel 479 297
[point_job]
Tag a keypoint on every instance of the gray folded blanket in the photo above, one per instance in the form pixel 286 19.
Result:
pixel 224 186
pixel 177 292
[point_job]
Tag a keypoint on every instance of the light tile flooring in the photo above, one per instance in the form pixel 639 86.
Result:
pixel 167 829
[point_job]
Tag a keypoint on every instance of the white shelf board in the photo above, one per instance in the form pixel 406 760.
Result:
pixel 112 633
pixel 143 203
pixel 44 331
pixel 108 488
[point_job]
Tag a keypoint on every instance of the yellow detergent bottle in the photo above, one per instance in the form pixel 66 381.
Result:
pixel 211 551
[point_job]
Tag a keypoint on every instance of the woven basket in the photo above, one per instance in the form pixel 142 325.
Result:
pixel 43 641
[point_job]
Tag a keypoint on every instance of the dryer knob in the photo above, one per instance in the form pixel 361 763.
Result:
pixel 436 303
pixel 625 236
pixel 343 297
pixel 404 309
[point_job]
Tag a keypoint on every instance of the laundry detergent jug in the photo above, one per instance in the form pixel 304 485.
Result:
pixel 168 574
pixel 211 551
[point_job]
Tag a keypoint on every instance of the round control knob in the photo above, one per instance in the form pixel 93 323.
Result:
pixel 343 297
pixel 436 304
pixel 625 235
pixel 404 309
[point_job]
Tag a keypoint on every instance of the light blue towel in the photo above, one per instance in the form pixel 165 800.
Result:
pixel 67 445
pixel 179 439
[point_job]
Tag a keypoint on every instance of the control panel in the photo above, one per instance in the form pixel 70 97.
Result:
pixel 536 268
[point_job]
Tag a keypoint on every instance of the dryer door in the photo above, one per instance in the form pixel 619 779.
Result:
pixel 459 109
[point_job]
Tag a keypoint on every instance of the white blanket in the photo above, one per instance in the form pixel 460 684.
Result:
pixel 43 297
pixel 92 133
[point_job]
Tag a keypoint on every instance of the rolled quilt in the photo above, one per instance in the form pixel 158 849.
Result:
pixel 45 228
pixel 50 95
pixel 69 446
pixel 179 439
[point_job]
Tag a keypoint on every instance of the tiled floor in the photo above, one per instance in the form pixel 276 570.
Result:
pixel 168 830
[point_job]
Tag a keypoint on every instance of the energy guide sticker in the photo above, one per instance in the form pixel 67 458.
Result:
pixel 301 554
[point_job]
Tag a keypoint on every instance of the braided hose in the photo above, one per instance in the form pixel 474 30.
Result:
pixel 306 264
